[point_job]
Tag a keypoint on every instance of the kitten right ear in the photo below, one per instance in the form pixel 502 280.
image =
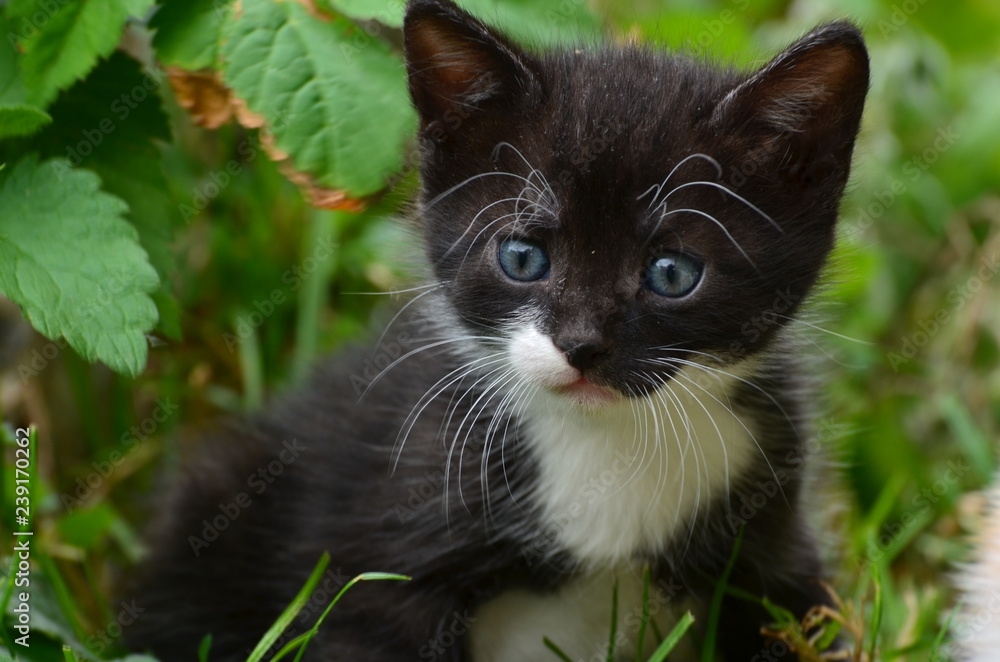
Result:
pixel 457 65
pixel 804 107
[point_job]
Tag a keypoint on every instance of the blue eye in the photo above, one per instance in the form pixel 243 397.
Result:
pixel 672 275
pixel 523 260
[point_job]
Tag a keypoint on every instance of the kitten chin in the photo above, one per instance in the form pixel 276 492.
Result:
pixel 600 383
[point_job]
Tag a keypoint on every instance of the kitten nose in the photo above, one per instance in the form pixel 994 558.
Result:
pixel 583 355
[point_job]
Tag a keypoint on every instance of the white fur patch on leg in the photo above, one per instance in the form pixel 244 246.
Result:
pixel 577 618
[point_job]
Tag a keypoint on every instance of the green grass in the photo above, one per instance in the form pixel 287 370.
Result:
pixel 907 413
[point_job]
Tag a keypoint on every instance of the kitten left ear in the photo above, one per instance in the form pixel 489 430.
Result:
pixel 457 65
pixel 804 107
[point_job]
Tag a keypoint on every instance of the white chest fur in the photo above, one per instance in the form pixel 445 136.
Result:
pixel 624 480
pixel 616 483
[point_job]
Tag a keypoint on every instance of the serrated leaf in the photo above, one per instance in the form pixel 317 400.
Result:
pixel 73 264
pixel 72 38
pixel 107 123
pixel 542 22
pixel 187 32
pixel 21 120
pixel 12 90
pixel 334 97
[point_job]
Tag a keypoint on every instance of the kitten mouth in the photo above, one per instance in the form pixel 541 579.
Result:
pixel 588 393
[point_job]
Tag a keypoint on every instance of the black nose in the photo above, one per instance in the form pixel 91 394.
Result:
pixel 583 355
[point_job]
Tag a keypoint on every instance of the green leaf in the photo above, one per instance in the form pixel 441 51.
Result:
pixel 21 120
pixel 386 12
pixel 187 32
pixel 71 39
pixel 84 528
pixel 73 264
pixel 334 97
pixel 19 116
pixel 108 123
pixel 538 22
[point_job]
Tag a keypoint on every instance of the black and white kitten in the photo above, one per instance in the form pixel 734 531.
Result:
pixel 601 378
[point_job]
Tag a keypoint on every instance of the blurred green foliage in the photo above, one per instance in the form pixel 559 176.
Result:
pixel 907 331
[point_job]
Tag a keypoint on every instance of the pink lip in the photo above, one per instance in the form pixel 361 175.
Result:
pixel 587 392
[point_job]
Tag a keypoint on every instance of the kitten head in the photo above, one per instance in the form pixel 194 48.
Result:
pixel 605 216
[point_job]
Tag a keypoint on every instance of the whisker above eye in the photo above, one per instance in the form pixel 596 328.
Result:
pixel 732 193
pixel 721 227
pixel 659 187
pixel 547 188
pixel 496 173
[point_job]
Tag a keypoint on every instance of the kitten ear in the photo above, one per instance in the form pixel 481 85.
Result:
pixel 457 65
pixel 804 107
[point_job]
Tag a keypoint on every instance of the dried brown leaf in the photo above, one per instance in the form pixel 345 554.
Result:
pixel 203 94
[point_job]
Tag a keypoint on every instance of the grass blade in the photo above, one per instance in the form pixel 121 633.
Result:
pixel 876 612
pixel 204 647
pixel 644 621
pixel 712 627
pixel 673 638
pixel 555 649
pixel 612 639
pixel 364 577
pixel 291 611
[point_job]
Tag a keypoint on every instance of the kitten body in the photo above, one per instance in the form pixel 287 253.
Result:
pixel 600 380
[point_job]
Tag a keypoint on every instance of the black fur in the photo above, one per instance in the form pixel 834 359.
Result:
pixel 603 126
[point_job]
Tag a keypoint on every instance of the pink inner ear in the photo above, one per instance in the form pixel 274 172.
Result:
pixel 819 77
pixel 458 64
pixel 444 59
